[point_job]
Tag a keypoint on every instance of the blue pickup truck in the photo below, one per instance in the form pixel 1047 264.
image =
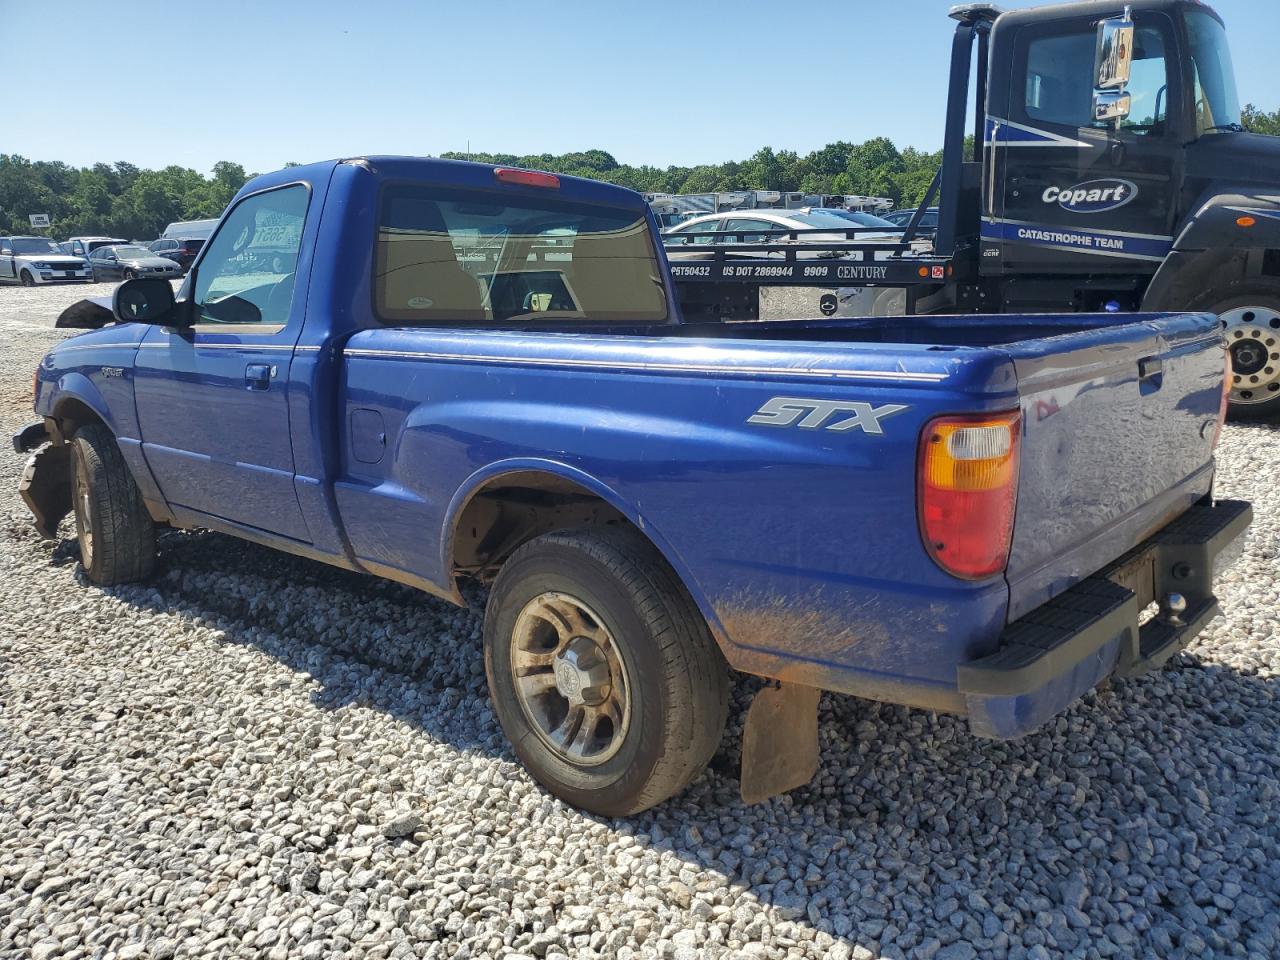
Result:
pixel 453 372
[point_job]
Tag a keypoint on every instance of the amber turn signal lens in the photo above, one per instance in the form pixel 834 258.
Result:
pixel 1245 221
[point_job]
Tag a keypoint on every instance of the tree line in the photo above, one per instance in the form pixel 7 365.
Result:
pixel 122 200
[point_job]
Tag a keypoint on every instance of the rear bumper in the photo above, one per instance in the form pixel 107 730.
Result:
pixel 1061 650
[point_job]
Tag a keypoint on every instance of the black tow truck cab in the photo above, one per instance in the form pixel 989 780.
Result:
pixel 1108 171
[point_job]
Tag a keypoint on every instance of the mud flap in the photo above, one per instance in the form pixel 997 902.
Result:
pixel 779 741
pixel 46 488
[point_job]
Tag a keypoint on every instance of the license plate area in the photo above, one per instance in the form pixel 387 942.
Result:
pixel 1138 574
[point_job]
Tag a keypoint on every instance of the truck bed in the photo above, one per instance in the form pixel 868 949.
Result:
pixel 660 424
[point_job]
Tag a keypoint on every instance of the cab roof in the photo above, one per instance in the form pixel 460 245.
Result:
pixel 456 173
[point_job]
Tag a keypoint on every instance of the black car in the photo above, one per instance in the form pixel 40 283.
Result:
pixel 126 261
pixel 928 222
pixel 182 251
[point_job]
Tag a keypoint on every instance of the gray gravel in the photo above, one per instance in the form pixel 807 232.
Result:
pixel 255 755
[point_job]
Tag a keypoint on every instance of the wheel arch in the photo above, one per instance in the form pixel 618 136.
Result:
pixel 507 504
pixel 1215 249
pixel 77 403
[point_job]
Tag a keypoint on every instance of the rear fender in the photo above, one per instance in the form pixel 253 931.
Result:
pixel 1213 249
pixel 482 478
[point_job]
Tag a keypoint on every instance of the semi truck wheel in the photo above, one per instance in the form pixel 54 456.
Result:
pixel 1250 315
pixel 602 671
pixel 116 534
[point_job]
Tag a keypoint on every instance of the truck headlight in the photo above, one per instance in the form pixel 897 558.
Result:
pixel 40 265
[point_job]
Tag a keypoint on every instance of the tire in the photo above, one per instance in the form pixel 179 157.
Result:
pixel 661 661
pixel 1250 311
pixel 130 275
pixel 116 534
pixel 27 279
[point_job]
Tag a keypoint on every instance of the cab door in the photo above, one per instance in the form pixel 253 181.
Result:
pixel 212 399
pixel 1072 195
pixel 8 265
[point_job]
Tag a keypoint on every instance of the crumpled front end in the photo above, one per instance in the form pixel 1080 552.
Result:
pixel 46 479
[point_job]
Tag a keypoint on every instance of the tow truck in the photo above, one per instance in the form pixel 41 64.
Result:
pixel 1108 172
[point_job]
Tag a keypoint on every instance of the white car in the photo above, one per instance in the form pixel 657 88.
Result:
pixel 33 260
pixel 700 229
pixel 83 246
pixel 792 303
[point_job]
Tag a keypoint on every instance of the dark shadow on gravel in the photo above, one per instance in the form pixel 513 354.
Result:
pixel 1147 811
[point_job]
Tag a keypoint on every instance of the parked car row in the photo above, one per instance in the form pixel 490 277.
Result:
pixel 39 260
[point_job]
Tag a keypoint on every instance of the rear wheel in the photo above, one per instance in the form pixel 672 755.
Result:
pixel 1250 317
pixel 27 279
pixel 602 671
pixel 116 534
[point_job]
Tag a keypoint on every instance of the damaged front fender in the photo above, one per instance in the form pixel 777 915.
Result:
pixel 46 488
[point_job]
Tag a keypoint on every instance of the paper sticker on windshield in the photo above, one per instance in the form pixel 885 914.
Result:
pixel 420 303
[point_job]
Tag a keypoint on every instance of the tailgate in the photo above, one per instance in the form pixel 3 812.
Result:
pixel 1117 433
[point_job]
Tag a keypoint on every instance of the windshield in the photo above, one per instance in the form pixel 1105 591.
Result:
pixel 860 218
pixel 1217 105
pixel 126 252
pixel 30 245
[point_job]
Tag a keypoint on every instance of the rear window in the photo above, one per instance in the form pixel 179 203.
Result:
pixel 190 245
pixel 463 256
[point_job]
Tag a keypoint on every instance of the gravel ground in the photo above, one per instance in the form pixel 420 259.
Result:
pixel 255 755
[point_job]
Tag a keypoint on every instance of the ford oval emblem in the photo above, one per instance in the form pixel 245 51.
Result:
pixel 1092 196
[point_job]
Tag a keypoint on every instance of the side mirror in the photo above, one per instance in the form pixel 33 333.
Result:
pixel 144 301
pixel 1113 64
pixel 1111 105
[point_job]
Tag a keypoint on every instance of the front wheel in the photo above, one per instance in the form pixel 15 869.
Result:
pixel 116 534
pixel 1250 315
pixel 602 671
pixel 27 279
pixel 130 275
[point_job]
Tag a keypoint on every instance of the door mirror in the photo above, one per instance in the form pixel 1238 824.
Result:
pixel 1112 67
pixel 1114 59
pixel 1111 105
pixel 144 301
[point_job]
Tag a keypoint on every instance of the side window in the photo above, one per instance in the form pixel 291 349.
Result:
pixel 698 231
pixel 247 275
pixel 1059 80
pixel 744 224
pixel 1148 84
pixel 6 249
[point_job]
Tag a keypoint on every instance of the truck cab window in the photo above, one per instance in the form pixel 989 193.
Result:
pixel 1217 104
pixel 1059 84
pixel 247 275
pixel 481 257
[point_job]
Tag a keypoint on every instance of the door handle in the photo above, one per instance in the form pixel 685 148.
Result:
pixel 257 376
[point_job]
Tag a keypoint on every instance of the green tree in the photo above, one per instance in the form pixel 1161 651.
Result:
pixel 1259 121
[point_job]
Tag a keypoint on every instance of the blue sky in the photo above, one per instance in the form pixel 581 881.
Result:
pixel 658 82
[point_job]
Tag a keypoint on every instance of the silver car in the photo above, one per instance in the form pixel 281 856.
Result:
pixel 126 261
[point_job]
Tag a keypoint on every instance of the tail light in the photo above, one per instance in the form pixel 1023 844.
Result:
pixel 1226 396
pixel 968 488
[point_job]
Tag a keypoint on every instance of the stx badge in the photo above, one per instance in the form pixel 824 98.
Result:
pixel 838 415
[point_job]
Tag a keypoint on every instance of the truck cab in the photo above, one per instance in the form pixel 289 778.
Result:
pixel 1107 170
pixel 1111 172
